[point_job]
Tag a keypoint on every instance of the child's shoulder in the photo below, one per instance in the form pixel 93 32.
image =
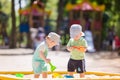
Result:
pixel 71 40
pixel 82 39
pixel 42 44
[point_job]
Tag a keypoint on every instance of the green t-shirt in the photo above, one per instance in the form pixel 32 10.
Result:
pixel 75 54
pixel 41 47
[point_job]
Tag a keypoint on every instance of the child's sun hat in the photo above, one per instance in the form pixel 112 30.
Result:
pixel 76 29
pixel 54 37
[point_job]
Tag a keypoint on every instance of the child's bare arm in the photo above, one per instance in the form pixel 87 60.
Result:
pixel 43 57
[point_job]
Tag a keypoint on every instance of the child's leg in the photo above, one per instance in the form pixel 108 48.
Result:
pixel 44 74
pixel 82 75
pixel 71 67
pixel 81 68
pixel 36 75
pixel 70 73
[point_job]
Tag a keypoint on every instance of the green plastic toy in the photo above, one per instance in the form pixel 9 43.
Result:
pixel 52 67
pixel 19 75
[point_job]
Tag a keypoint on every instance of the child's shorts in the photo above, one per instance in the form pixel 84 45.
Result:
pixel 39 67
pixel 78 65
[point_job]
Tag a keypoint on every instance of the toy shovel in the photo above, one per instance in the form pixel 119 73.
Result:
pixel 52 67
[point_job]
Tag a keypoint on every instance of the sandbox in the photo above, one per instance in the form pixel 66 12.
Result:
pixel 58 75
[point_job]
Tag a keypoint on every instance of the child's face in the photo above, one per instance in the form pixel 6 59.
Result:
pixel 77 36
pixel 50 43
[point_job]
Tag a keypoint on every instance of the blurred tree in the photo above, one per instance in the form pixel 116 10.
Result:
pixel 20 9
pixel 60 14
pixel 29 41
pixel 61 6
pixel 13 31
pixel 5 6
pixel 3 28
pixel 0 5
pixel 4 21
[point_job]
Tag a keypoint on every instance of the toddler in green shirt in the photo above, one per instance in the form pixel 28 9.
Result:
pixel 77 46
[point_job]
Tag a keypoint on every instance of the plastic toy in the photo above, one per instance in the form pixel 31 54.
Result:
pixel 52 67
pixel 56 75
pixel 19 75
pixel 78 47
pixel 68 76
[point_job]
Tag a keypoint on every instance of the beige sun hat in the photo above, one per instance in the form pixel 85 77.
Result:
pixel 54 37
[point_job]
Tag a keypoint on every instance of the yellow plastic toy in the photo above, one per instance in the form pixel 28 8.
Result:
pixel 56 75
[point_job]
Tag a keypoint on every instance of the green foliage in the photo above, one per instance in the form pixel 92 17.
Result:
pixel 112 8
pixel 75 1
pixel 5 7
pixel 117 5
pixel 53 9
pixel 79 1
pixel 0 5
pixel 44 1
pixel 3 17
pixel 118 29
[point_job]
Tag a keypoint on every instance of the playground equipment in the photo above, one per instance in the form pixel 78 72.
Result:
pixel 30 25
pixel 59 75
pixel 89 15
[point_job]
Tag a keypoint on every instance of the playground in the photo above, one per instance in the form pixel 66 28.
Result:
pixel 28 26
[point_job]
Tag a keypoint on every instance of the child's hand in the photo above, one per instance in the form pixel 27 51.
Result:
pixel 70 48
pixel 47 60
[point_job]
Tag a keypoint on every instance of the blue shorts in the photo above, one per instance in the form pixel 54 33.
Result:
pixel 39 67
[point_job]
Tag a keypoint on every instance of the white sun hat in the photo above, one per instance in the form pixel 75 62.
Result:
pixel 54 37
pixel 75 29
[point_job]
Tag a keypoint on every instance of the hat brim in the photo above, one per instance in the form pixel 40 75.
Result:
pixel 57 43
pixel 82 34
pixel 74 34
